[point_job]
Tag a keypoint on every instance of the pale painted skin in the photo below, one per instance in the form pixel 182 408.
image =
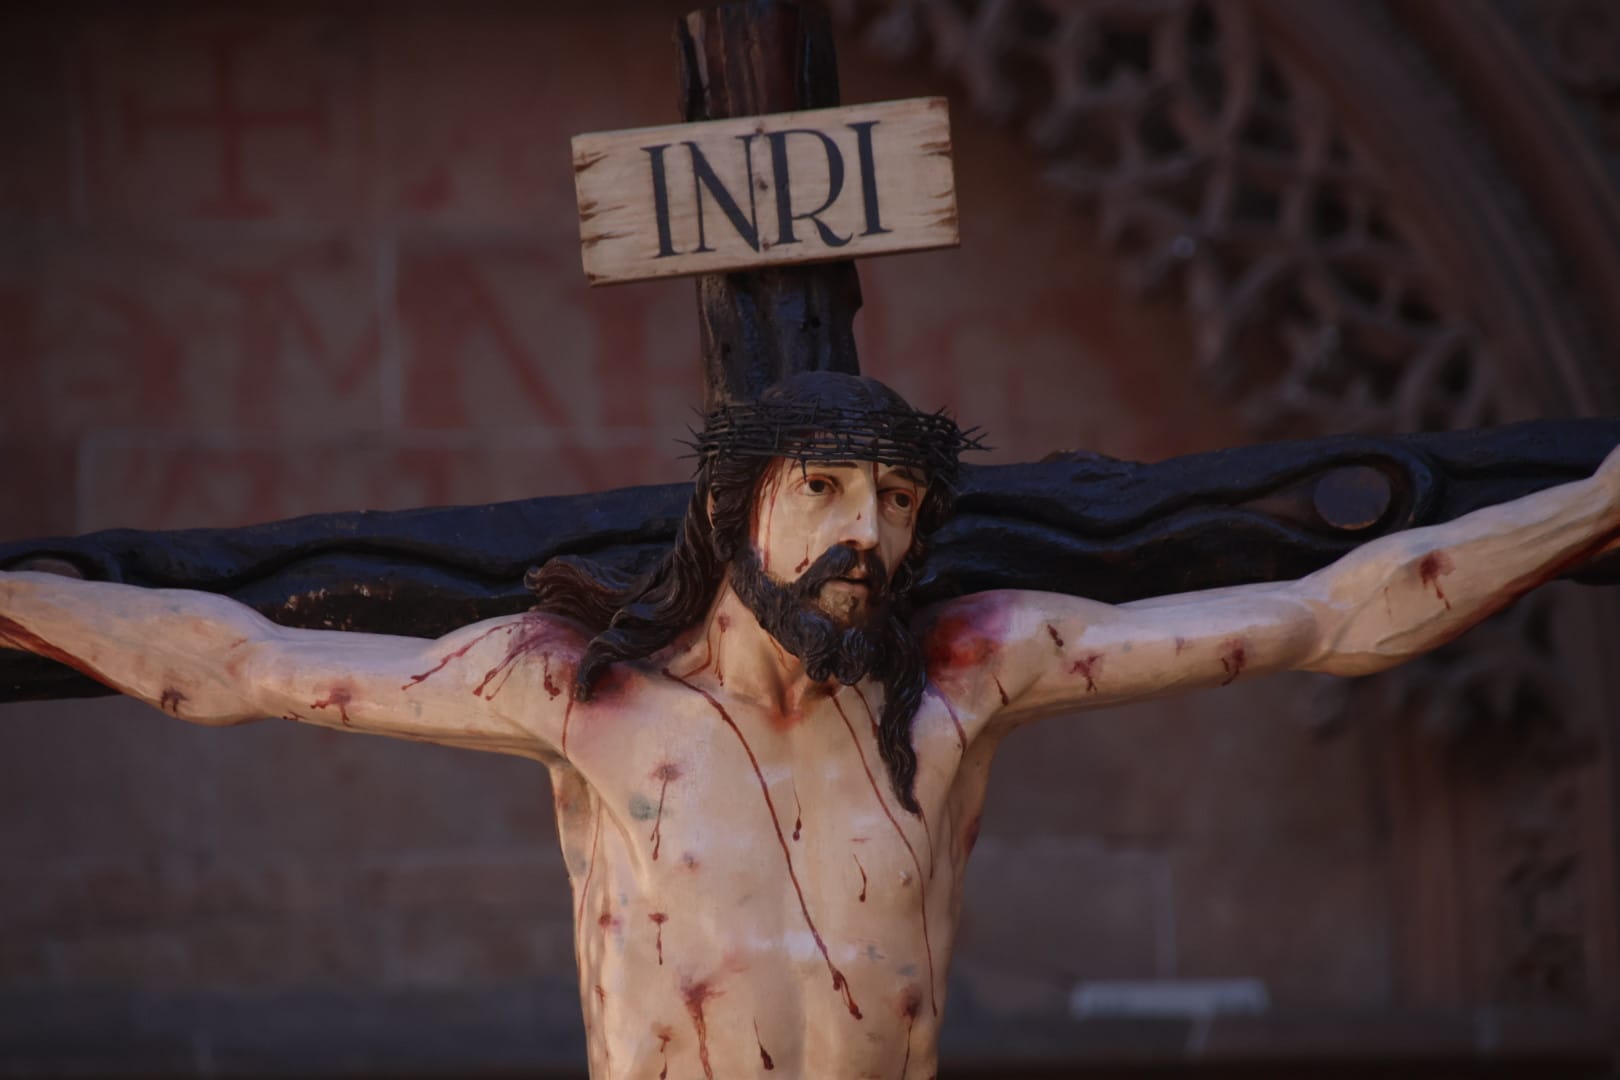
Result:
pixel 746 887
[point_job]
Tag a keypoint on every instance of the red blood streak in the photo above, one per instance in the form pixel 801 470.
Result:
pixel 723 621
pixel 1002 690
pixel 664 1035
pixel 530 639
pixel 764 1057
pixel 1057 639
pixel 659 919
pixel 601 995
pixel 606 920
pixel 568 714
pixel 338 698
pixel 862 869
pixel 1234 659
pixel 663 774
pixel 805 565
pixel 909 1005
pixel 695 994
pixel 928 834
pixel 922 897
pixel 1435 565
pixel 456 654
pixel 840 984
pixel 590 868
pixel 526 635
pixel 1088 667
pixel 171 700
pixel 798 813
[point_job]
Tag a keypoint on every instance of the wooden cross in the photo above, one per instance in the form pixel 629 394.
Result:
pixel 777 295
pixel 767 191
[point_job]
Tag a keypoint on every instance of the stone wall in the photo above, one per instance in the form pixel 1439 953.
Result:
pixel 299 257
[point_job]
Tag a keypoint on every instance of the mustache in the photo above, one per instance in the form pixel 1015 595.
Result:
pixel 842 562
pixel 789 614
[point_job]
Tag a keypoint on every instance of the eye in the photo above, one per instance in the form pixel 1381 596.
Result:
pixel 901 500
pixel 818 485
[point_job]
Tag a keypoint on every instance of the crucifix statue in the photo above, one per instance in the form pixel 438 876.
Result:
pixel 769 741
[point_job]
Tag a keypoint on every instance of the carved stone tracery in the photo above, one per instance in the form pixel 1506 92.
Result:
pixel 1220 177
pixel 1215 166
pixel 1578 44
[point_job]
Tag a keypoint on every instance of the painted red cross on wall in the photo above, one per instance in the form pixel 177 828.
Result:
pixel 229 118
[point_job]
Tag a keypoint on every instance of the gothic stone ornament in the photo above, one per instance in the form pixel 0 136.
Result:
pixel 1224 179
pixel 700 768
pixel 1355 205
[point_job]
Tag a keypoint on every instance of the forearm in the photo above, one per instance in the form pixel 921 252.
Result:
pixel 175 650
pixel 1402 595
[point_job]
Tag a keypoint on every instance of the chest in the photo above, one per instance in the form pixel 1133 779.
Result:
pixel 722 803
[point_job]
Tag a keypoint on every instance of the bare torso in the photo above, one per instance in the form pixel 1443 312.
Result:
pixel 748 893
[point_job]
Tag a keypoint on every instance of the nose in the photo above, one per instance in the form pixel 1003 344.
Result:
pixel 860 529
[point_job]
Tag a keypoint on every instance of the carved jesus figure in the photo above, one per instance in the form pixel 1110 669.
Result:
pixel 768 770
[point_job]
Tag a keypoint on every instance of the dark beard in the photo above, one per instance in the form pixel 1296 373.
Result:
pixel 791 614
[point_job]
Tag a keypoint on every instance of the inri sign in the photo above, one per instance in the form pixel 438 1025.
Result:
pixel 765 190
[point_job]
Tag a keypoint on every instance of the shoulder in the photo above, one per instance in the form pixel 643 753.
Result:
pixel 530 630
pixel 966 632
pixel 973 630
pixel 502 646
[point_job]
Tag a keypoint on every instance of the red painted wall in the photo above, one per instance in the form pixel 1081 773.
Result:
pixel 265 260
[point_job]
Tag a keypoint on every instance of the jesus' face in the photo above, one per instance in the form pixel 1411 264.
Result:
pixel 827 537
pixel 863 507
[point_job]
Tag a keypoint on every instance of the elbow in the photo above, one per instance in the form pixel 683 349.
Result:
pixel 229 692
pixel 203 706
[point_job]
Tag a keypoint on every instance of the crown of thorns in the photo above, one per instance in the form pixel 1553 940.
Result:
pixel 931 442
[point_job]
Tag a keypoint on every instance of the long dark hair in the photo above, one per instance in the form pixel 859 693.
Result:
pixel 635 617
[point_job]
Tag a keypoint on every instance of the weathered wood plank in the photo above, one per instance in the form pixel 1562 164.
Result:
pixel 763 191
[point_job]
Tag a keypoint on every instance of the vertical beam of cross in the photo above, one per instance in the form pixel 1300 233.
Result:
pixel 759 326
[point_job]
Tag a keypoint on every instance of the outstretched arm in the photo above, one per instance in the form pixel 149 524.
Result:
pixel 1385 602
pixel 499 685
